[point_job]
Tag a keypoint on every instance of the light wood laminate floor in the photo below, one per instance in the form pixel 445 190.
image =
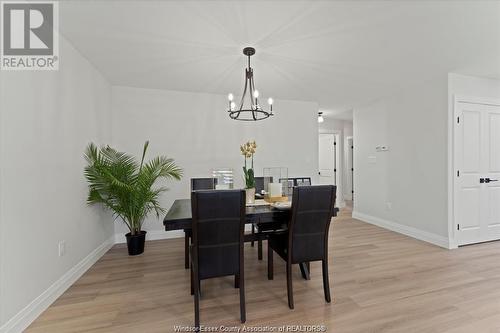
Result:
pixel 381 282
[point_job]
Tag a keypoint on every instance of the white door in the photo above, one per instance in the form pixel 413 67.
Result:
pixel 477 179
pixel 327 159
pixel 349 171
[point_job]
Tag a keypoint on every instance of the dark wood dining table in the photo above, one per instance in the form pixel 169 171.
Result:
pixel 265 216
pixel 179 216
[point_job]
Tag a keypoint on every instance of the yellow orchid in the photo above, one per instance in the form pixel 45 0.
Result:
pixel 248 150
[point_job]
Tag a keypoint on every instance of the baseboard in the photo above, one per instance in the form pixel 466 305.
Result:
pixel 161 234
pixel 153 235
pixel 403 229
pixel 26 316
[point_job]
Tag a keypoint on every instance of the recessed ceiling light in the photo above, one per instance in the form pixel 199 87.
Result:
pixel 320 117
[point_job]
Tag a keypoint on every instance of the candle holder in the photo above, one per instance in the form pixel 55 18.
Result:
pixel 276 183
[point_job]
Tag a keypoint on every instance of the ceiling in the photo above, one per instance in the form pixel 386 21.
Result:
pixel 338 53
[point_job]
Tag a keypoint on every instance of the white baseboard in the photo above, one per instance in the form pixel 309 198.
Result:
pixel 403 229
pixel 162 234
pixel 152 235
pixel 26 316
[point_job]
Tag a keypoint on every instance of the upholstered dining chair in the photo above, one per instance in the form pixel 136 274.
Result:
pixel 307 237
pixel 302 181
pixel 197 184
pixel 218 226
pixel 207 183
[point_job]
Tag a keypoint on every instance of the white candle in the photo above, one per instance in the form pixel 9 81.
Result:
pixel 275 190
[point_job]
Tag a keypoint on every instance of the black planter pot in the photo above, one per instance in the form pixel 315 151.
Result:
pixel 135 243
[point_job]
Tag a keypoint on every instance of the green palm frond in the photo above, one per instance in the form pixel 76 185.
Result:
pixel 117 181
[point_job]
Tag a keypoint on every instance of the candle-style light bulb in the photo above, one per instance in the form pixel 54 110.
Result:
pixel 256 94
pixel 230 97
pixel 270 101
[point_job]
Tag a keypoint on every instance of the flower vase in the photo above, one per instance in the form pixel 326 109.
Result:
pixel 250 195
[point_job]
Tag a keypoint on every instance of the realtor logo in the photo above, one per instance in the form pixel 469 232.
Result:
pixel 29 36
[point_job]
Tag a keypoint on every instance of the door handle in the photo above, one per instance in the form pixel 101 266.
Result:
pixel 488 180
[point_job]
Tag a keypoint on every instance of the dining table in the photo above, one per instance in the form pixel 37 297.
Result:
pixel 266 217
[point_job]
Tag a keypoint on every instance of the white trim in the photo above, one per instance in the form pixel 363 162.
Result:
pixel 403 229
pixel 476 100
pixel 452 156
pixel 161 234
pixel 26 316
pixel 152 235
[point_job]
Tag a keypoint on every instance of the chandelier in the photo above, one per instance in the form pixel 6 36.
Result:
pixel 254 111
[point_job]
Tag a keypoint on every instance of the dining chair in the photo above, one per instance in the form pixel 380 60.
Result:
pixel 302 181
pixel 197 184
pixel 306 239
pixel 218 224
pixel 207 183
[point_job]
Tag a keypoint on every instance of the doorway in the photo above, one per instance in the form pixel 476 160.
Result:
pixel 476 194
pixel 329 159
pixel 330 163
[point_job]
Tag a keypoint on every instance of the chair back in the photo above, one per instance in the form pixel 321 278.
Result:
pixel 312 210
pixel 198 184
pixel 302 181
pixel 260 183
pixel 218 223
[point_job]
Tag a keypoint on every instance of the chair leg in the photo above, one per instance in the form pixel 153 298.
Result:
pixel 197 305
pixel 192 282
pixel 259 249
pixel 270 264
pixel 289 284
pixel 243 313
pixel 186 249
pixel 236 281
pixel 326 282
pixel 253 233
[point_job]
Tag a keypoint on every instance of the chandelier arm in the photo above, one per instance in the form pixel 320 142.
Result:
pixel 256 99
pixel 252 90
pixel 253 99
pixel 244 92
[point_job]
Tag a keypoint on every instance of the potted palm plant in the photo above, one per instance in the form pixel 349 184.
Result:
pixel 248 150
pixel 118 182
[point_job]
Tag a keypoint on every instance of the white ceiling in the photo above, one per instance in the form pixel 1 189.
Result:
pixel 338 53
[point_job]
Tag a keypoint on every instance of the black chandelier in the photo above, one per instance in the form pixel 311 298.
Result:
pixel 254 111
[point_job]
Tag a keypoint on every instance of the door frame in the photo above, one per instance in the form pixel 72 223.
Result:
pixel 452 159
pixel 347 148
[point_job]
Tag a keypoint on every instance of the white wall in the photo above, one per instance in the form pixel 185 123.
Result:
pixel 47 119
pixel 412 175
pixel 195 130
pixel 464 86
